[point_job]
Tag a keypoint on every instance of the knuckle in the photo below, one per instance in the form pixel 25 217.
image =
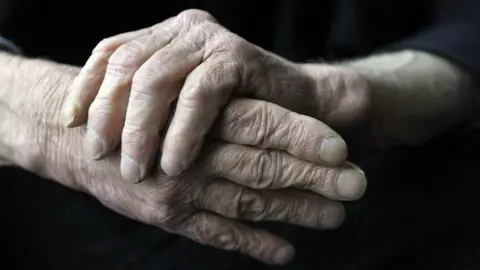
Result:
pixel 225 73
pixel 162 215
pixel 197 93
pixel 240 117
pixel 267 169
pixel 133 134
pixel 105 45
pixel 198 35
pixel 191 42
pixel 262 124
pixel 247 123
pixel 146 76
pixel 195 15
pixel 216 81
pixel 283 127
pixel 161 205
pixel 143 97
pixel 99 108
pixel 206 27
pixel 224 42
pixel 237 48
pixel 251 205
pixel 236 43
pixel 299 212
pixel 133 128
pixel 125 58
pixel 225 239
pixel 295 131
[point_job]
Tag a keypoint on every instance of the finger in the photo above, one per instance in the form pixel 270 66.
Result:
pixel 205 91
pixel 266 169
pixel 287 206
pixel 107 112
pixel 85 86
pixel 212 230
pixel 267 125
pixel 155 85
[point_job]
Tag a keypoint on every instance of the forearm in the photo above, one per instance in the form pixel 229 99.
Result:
pixel 420 94
pixel 31 95
pixel 414 96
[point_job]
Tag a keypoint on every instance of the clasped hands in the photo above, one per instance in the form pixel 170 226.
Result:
pixel 249 137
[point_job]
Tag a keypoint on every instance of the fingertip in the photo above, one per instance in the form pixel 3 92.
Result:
pixel 351 184
pixel 333 151
pixel 130 170
pixel 332 216
pixel 68 116
pixel 284 255
pixel 170 165
pixel 179 153
pixel 94 145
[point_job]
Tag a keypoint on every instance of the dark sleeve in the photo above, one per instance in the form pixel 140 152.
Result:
pixel 454 33
pixel 9 46
pixel 7 7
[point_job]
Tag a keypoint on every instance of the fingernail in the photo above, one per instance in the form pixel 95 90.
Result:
pixel 130 169
pixel 351 184
pixel 333 150
pixel 284 255
pixel 68 113
pixel 93 144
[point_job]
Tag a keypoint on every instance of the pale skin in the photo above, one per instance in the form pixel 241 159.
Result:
pixel 378 94
pixel 229 182
pixel 125 92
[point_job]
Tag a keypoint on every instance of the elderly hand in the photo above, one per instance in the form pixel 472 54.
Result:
pixel 130 81
pixel 232 181
pixel 229 181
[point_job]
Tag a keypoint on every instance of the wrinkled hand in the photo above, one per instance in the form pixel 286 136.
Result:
pixel 230 180
pixel 262 185
pixel 127 87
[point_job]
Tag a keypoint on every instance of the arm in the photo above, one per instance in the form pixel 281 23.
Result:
pixel 426 83
pixel 413 96
pixel 31 95
pixel 380 94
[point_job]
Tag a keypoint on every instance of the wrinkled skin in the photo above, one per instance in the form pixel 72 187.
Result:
pixel 233 181
pixel 229 181
pixel 126 89
pixel 260 161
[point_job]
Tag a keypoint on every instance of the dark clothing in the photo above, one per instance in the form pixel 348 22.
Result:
pixel 421 210
pixel 67 31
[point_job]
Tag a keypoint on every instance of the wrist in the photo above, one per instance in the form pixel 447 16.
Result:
pixel 415 96
pixel 30 102
pixel 343 93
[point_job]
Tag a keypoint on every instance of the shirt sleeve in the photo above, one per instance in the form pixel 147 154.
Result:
pixel 453 33
pixel 9 46
pixel 7 9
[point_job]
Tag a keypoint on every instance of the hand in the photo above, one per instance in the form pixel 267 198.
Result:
pixel 202 205
pixel 193 204
pixel 127 86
